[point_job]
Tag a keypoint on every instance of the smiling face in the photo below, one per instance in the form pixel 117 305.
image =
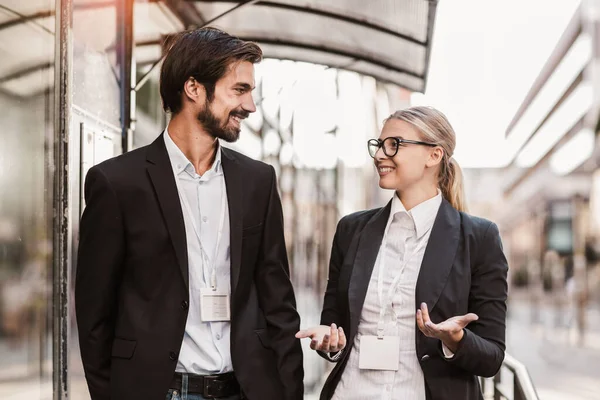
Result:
pixel 221 116
pixel 412 165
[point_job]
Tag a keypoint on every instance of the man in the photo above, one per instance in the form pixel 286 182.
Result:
pixel 183 280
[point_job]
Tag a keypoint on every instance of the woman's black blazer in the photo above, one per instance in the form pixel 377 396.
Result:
pixel 463 270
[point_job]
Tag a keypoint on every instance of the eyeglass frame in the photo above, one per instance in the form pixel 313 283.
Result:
pixel 399 141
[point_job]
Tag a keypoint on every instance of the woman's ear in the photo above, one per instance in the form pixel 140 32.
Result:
pixel 435 156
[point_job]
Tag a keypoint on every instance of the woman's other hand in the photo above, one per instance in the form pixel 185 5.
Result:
pixel 328 339
pixel 450 331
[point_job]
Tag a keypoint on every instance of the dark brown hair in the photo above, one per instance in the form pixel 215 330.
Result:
pixel 203 54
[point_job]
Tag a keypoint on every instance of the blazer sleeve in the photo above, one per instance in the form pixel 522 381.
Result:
pixel 99 266
pixel 481 350
pixel 277 300
pixel 331 310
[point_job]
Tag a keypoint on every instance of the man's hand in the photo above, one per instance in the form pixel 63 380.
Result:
pixel 450 331
pixel 328 339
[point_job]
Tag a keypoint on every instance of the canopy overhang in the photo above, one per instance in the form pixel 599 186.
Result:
pixel 387 39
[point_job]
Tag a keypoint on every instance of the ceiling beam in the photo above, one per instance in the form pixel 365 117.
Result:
pixel 26 71
pixel 336 51
pixel 332 15
pixel 186 12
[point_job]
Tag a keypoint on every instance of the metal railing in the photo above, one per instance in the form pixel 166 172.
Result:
pixel 511 382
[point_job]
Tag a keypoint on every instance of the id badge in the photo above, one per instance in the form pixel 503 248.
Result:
pixel 214 305
pixel 379 353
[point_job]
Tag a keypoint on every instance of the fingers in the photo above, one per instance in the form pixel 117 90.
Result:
pixel 333 338
pixel 327 339
pixel 449 327
pixel 420 322
pixel 324 346
pixel 463 320
pixel 311 333
pixel 470 317
pixel 303 334
pixel 308 333
pixel 342 339
pixel 314 344
pixel 424 322
pixel 425 313
pixel 323 338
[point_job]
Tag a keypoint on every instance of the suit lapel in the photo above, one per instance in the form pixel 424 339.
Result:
pixel 161 175
pixel 369 243
pixel 439 256
pixel 235 201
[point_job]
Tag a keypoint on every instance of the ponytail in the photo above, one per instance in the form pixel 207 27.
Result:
pixel 451 184
pixel 434 127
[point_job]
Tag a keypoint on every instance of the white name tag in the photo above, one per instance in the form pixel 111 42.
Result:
pixel 381 354
pixel 214 305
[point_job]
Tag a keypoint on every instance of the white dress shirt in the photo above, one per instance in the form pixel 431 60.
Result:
pixel 206 345
pixel 402 250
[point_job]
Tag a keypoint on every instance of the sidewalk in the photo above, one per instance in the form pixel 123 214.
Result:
pixel 561 368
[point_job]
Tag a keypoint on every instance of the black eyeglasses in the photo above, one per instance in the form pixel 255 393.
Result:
pixel 391 145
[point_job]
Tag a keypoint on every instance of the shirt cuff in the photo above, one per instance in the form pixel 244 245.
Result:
pixel 335 356
pixel 447 352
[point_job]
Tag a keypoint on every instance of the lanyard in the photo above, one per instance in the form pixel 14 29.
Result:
pixel 205 258
pixel 383 304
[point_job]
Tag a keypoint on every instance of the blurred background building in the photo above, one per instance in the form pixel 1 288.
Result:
pixel 519 80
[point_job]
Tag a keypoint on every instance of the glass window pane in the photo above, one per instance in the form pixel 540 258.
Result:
pixel 26 117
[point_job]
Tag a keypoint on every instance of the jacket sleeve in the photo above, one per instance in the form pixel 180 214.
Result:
pixel 99 266
pixel 277 300
pixel 481 350
pixel 331 311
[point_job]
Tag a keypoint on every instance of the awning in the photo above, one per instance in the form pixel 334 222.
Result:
pixel 387 39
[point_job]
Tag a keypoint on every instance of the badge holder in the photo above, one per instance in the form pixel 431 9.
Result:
pixel 214 303
pixel 379 352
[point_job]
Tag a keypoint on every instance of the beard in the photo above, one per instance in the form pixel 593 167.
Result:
pixel 220 129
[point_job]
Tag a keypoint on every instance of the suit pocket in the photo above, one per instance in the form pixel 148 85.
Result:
pixel 123 348
pixel 253 230
pixel 264 338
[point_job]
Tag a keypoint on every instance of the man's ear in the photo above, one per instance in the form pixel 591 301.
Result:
pixel 194 91
pixel 435 157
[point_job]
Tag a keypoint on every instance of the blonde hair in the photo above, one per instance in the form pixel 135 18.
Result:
pixel 435 128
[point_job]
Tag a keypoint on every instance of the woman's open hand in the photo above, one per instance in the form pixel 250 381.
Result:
pixel 328 339
pixel 450 331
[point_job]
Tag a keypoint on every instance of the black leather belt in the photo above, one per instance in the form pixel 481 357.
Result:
pixel 209 386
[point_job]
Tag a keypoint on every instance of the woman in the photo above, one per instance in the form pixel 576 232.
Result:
pixel 420 251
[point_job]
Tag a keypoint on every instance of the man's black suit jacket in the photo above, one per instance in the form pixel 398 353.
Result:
pixel 131 291
pixel 463 270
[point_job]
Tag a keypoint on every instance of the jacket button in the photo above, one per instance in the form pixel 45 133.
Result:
pixel 185 305
pixel 425 357
pixel 173 356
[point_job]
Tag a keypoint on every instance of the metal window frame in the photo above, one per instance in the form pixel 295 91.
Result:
pixel 62 219
pixel 126 69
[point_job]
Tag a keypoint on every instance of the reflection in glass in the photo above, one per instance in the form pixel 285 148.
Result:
pixel 26 117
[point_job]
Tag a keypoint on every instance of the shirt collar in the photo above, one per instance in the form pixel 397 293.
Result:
pixel 422 216
pixel 180 162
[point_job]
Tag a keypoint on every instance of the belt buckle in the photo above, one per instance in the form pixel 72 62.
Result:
pixel 210 381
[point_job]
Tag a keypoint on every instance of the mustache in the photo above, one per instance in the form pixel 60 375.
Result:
pixel 240 113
